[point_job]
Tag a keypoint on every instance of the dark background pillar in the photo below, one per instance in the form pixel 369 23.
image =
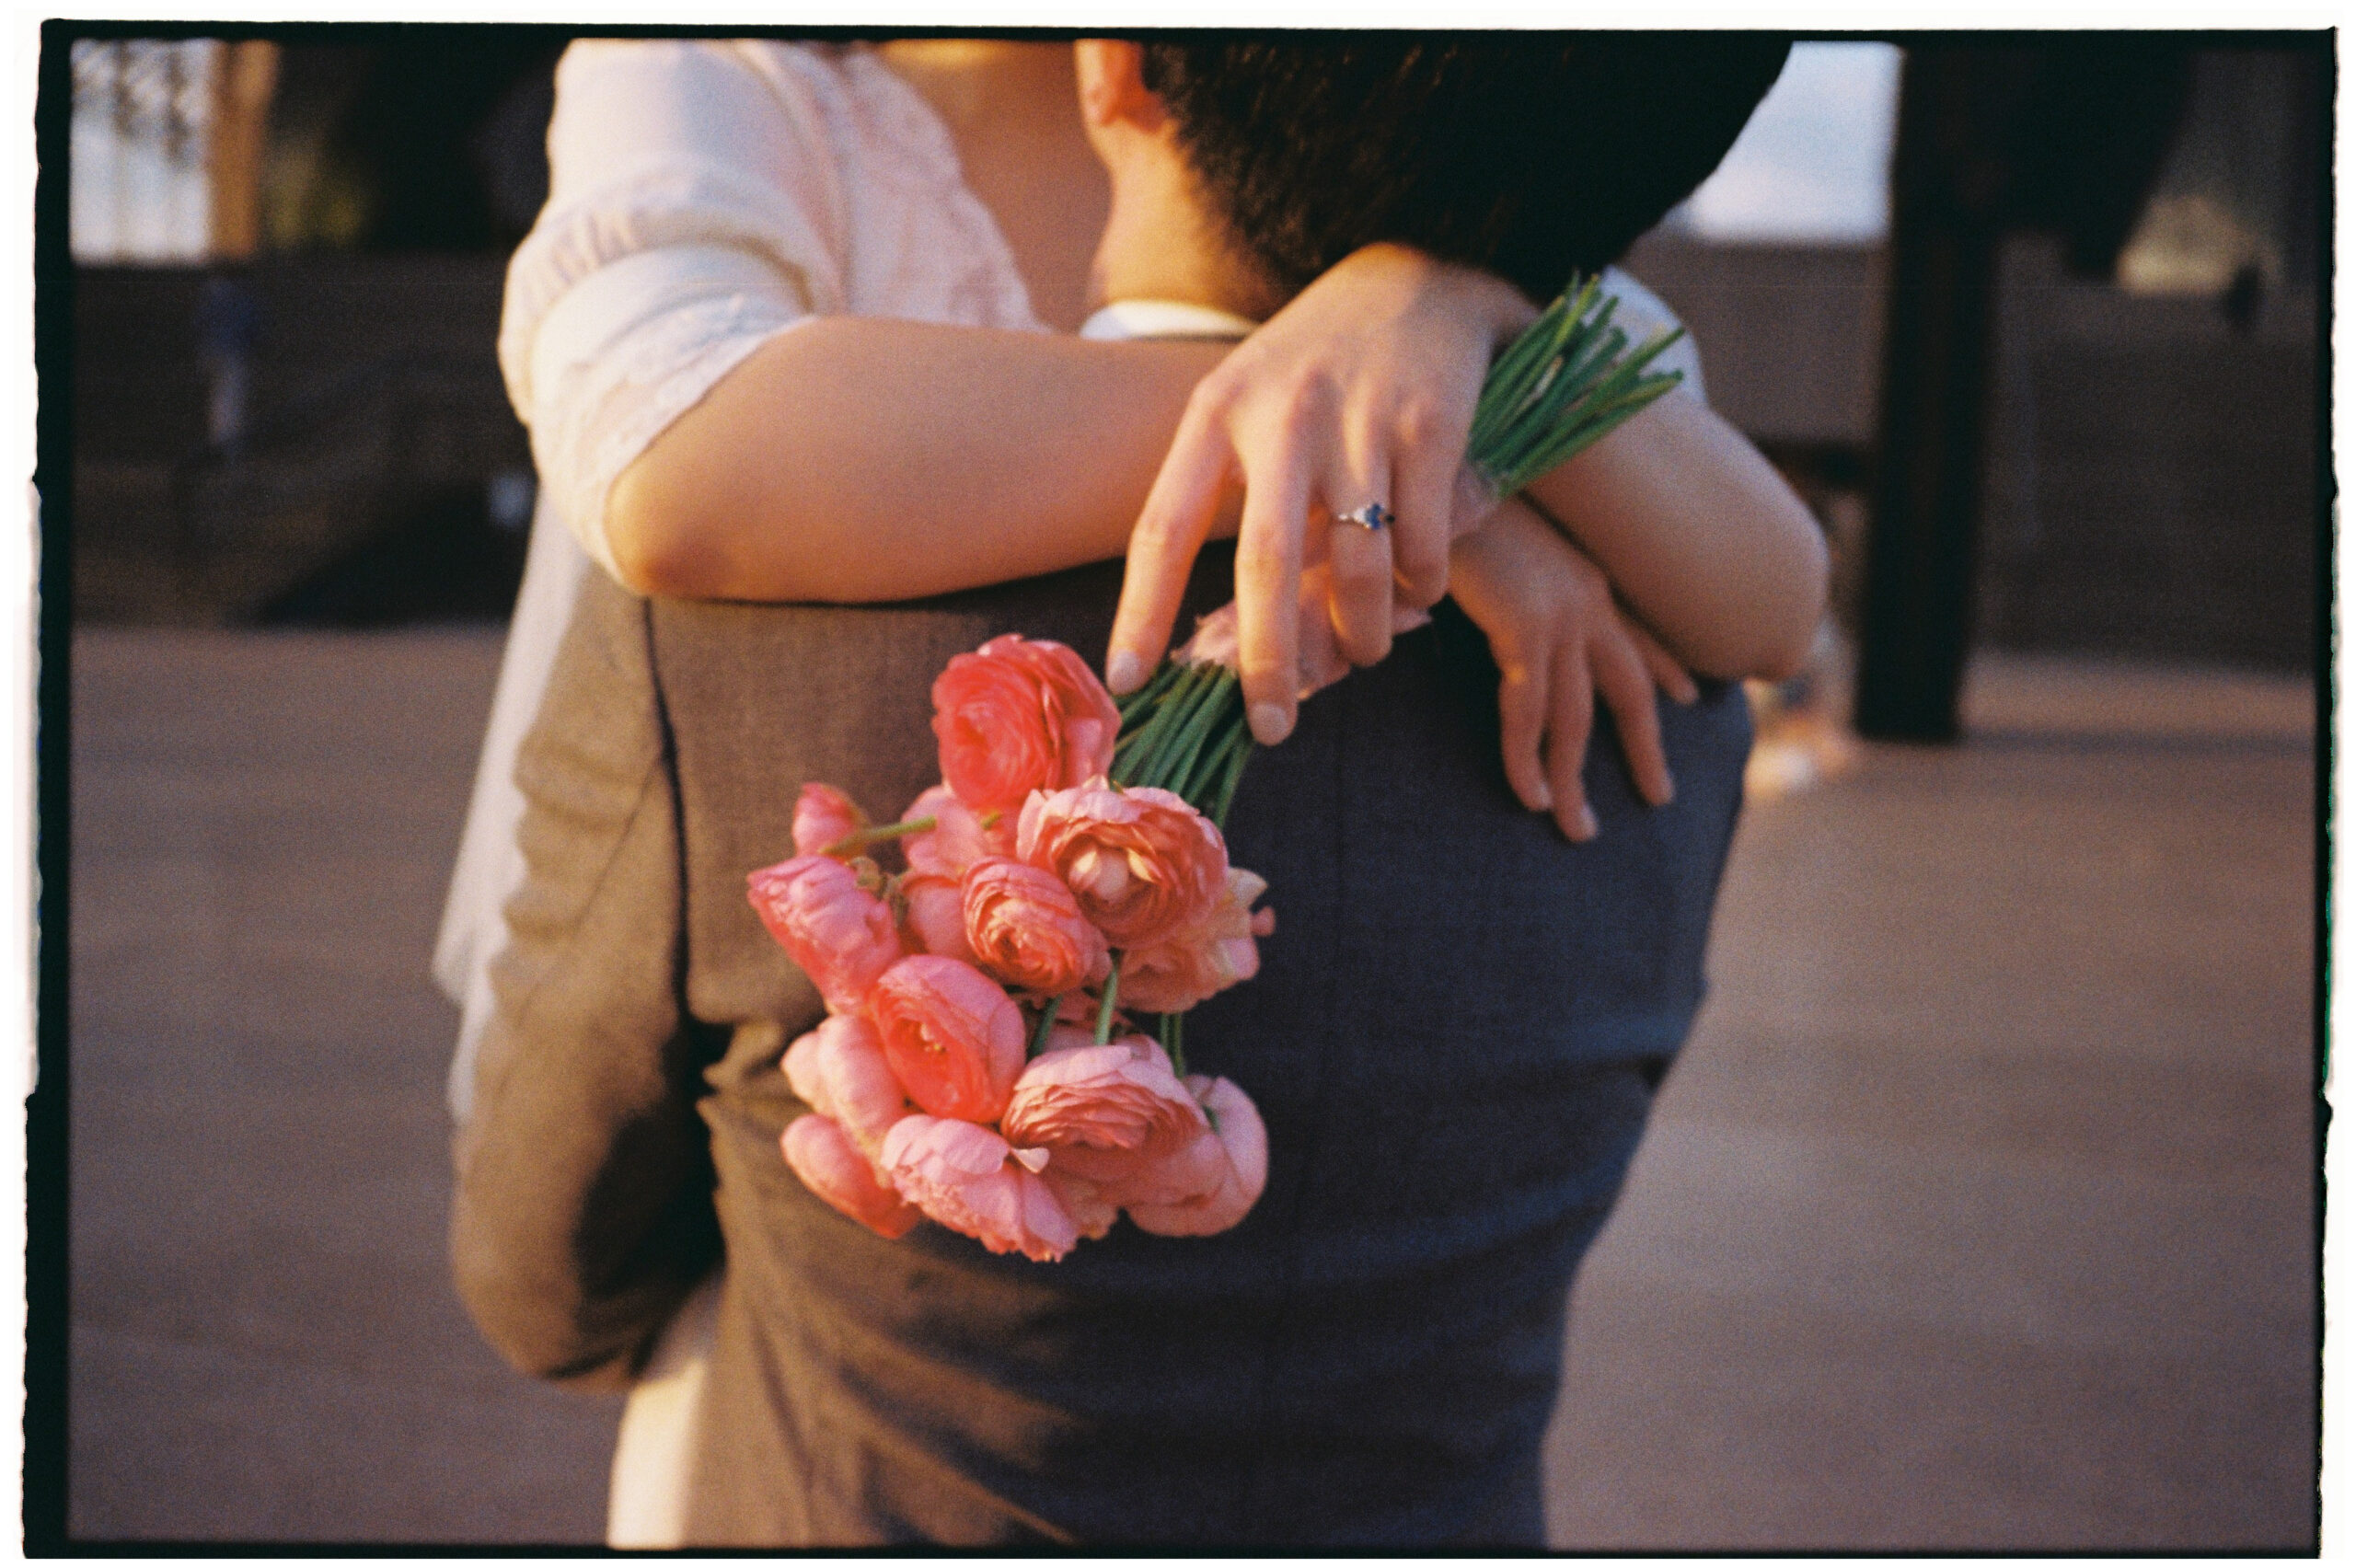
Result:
pixel 2066 136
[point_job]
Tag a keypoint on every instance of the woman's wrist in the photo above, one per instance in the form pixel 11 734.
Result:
pixel 1481 299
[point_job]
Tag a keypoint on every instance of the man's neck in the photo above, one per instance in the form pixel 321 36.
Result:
pixel 1159 245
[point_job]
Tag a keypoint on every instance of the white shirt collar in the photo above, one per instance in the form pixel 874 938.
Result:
pixel 1163 318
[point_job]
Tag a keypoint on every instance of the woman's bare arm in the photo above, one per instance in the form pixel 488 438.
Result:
pixel 861 460
pixel 857 459
pixel 1700 536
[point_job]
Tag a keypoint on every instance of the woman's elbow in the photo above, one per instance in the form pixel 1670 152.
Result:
pixel 1785 651
pixel 658 543
pixel 677 536
pixel 1769 633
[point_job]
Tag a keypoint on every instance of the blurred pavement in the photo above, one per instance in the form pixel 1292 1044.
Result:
pixel 1978 1214
pixel 266 1345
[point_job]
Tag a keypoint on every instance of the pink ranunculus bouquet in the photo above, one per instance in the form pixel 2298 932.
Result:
pixel 1070 863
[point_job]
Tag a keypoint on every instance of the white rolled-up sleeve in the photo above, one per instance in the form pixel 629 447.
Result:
pixel 695 211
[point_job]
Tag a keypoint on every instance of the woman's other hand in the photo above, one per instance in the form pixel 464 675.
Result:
pixel 1360 391
pixel 1559 640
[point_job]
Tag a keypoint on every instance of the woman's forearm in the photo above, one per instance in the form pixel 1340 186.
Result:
pixel 857 459
pixel 1699 536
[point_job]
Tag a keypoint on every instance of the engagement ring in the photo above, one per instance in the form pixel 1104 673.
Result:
pixel 1374 518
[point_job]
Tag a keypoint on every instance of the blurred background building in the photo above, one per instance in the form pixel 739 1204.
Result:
pixel 287 269
pixel 1980 1213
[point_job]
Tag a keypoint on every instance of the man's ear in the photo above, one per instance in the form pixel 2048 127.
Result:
pixel 1111 84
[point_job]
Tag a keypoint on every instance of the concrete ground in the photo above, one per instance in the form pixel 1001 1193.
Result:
pixel 1978 1214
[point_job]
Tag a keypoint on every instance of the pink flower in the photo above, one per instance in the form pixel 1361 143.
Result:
pixel 1176 1167
pixel 959 840
pixel 1143 864
pixel 1187 1175
pixel 840 1071
pixel 823 815
pixel 831 1165
pixel 1119 1097
pixel 1025 926
pixel 1018 716
pixel 936 914
pixel 1218 639
pixel 977 1184
pixel 1092 1212
pixel 954 1038
pixel 1240 1142
pixel 1206 958
pixel 839 933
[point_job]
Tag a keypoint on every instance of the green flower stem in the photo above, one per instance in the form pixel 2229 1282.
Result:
pixel 1505 394
pixel 1211 763
pixel 1137 706
pixel 1185 780
pixel 859 838
pixel 1111 994
pixel 1045 1026
pixel 1176 760
pixel 1154 710
pixel 1174 1029
pixel 1230 779
pixel 1148 761
pixel 1560 387
pixel 1555 326
pixel 1573 372
pixel 1168 711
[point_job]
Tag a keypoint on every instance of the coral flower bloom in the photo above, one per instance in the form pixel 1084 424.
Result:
pixel 822 817
pixel 831 1165
pixel 1143 864
pixel 954 1037
pixel 957 839
pixel 839 933
pixel 1121 1097
pixel 840 1071
pixel 936 919
pixel 977 1184
pixel 1206 957
pixel 1025 926
pixel 1241 1141
pixel 1017 716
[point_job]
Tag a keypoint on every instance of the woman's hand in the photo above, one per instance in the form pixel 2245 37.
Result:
pixel 1559 639
pixel 1360 391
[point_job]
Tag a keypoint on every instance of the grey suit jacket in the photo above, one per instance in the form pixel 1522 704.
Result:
pixel 1454 1041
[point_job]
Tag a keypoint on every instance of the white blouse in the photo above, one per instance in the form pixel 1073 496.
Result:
pixel 703 197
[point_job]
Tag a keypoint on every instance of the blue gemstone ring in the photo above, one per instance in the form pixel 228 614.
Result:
pixel 1374 518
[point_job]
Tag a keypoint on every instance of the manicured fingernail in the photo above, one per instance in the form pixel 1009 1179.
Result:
pixel 1124 673
pixel 1270 723
pixel 1588 827
pixel 1541 799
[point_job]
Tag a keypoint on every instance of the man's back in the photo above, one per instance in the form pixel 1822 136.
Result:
pixel 1453 1039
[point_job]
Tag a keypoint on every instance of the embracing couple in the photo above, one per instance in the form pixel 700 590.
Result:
pixel 838 362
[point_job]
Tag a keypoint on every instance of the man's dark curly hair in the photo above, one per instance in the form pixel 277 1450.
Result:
pixel 1530 154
